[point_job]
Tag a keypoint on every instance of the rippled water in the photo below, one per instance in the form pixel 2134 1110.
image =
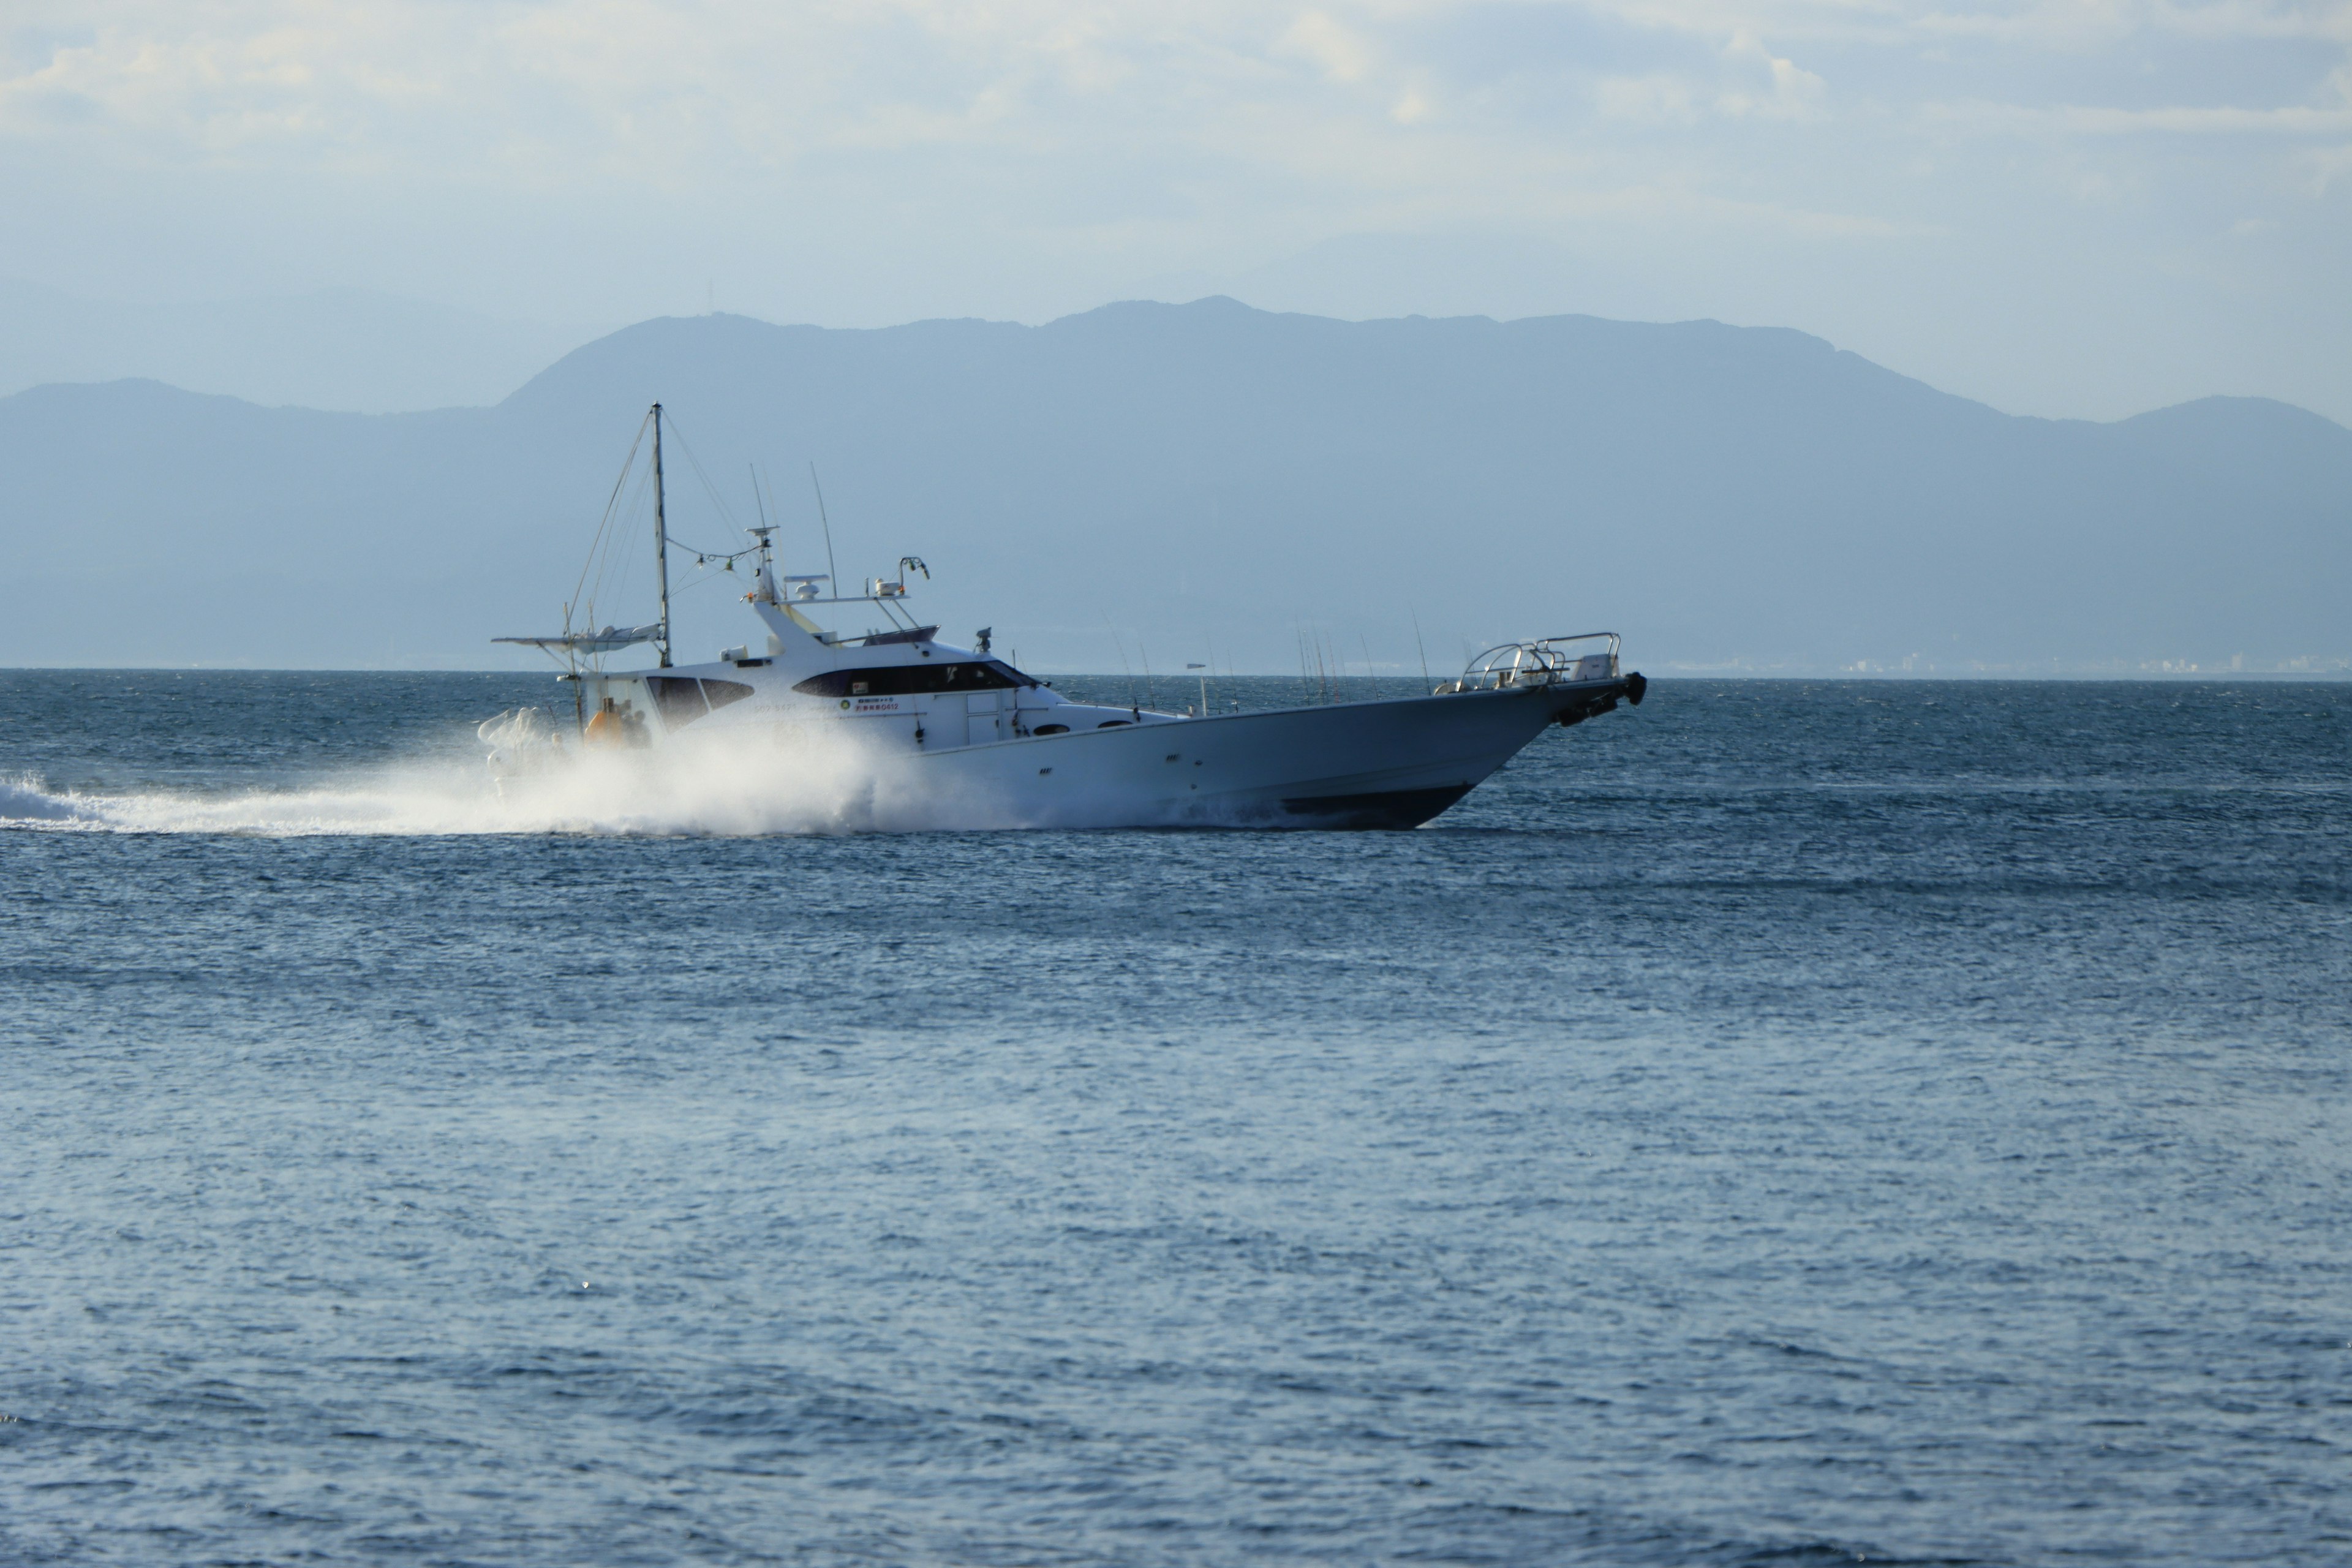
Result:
pixel 1785 1124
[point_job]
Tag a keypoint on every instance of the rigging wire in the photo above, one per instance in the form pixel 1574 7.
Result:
pixel 832 573
pixel 614 563
pixel 604 524
pixel 611 567
pixel 1121 643
pixel 726 513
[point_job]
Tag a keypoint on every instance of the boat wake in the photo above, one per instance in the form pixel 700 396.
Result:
pixel 728 786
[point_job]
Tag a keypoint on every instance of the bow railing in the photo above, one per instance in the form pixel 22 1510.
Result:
pixel 1545 661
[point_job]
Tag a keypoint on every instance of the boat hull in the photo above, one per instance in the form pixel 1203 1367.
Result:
pixel 1354 765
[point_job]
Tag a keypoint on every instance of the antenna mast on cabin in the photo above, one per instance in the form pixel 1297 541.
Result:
pixel 661 539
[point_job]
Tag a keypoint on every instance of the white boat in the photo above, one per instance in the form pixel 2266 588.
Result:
pixel 929 721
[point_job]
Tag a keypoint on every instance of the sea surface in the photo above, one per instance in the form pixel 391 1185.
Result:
pixel 1789 1123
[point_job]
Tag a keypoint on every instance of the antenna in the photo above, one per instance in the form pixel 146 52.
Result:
pixel 1417 643
pixel 832 573
pixel 1121 643
pixel 661 539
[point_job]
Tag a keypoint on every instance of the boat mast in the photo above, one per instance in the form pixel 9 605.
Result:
pixel 661 539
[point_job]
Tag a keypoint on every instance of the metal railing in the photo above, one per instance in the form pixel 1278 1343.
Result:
pixel 1546 662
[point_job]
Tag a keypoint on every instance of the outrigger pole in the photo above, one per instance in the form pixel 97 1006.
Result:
pixel 661 539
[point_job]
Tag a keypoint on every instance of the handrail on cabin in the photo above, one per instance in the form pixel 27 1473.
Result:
pixel 1541 661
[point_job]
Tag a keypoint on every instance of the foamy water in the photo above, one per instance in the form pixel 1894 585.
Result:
pixel 723 785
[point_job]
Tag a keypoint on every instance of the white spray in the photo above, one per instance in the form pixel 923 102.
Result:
pixel 785 781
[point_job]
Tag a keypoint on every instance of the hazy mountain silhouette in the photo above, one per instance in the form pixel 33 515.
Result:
pixel 342 348
pixel 1210 478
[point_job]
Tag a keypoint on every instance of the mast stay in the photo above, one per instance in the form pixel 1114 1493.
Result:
pixel 661 540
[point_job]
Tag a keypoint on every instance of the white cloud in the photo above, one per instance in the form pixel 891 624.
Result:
pixel 1341 53
pixel 2322 166
pixel 1660 97
pixel 1788 91
pixel 723 79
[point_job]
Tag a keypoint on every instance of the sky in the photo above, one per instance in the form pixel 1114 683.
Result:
pixel 2066 209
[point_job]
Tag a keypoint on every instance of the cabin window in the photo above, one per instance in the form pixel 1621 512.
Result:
pixel 915 680
pixel 679 697
pixel 1111 724
pixel 719 693
pixel 1051 729
pixel 682 699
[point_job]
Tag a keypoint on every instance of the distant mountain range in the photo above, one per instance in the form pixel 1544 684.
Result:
pixel 343 349
pixel 1215 483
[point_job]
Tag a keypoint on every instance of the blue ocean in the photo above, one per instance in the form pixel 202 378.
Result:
pixel 1789 1123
